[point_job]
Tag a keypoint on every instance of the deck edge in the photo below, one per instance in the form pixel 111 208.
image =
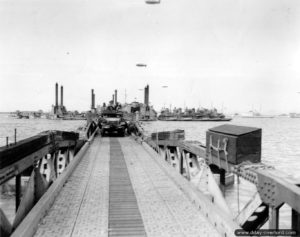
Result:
pixel 211 212
pixel 30 223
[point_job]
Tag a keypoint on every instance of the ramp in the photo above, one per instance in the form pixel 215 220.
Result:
pixel 119 190
pixel 124 215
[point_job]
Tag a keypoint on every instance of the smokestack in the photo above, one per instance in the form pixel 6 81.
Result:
pixel 116 96
pixel 92 100
pixel 146 96
pixel 56 94
pixel 61 96
pixel 113 99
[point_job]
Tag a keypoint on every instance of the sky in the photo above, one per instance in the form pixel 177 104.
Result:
pixel 234 55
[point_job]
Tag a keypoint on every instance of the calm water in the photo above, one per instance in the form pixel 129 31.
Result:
pixel 27 128
pixel 280 148
pixel 280 143
pixel 30 127
pixel 280 138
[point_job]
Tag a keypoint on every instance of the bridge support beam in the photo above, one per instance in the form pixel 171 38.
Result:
pixel 5 226
pixel 274 217
pixel 18 191
pixel 296 221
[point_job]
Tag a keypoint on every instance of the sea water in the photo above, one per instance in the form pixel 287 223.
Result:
pixel 26 128
pixel 280 148
pixel 280 144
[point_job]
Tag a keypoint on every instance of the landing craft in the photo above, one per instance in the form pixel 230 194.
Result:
pixel 152 1
pixel 141 65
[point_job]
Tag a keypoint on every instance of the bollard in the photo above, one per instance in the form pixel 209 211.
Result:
pixel 15 136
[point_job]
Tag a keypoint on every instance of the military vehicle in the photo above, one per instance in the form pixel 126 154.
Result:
pixel 111 122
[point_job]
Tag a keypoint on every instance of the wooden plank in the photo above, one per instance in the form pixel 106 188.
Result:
pixel 12 154
pixel 19 166
pixel 192 148
pixel 169 135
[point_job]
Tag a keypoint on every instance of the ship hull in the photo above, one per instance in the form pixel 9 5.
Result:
pixel 199 120
pixel 257 116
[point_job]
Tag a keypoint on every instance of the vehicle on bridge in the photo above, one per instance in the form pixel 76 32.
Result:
pixel 112 122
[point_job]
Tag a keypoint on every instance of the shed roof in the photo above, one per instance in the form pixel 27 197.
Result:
pixel 233 129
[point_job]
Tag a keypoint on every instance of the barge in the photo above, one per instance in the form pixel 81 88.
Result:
pixel 201 115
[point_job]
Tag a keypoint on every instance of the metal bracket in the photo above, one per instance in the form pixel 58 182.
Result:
pixel 247 170
pixel 219 148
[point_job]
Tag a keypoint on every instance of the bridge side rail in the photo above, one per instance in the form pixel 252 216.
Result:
pixel 37 161
pixel 188 161
pixel 274 187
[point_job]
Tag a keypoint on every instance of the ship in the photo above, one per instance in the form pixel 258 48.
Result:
pixel 294 115
pixel 254 114
pixel 151 2
pixel 201 115
pixel 137 111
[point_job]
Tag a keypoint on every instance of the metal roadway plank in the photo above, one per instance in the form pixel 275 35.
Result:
pixel 119 190
pixel 165 209
pixel 124 218
pixel 81 208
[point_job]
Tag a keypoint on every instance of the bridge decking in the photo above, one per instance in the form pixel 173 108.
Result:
pixel 118 189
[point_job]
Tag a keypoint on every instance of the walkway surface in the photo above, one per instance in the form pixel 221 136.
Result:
pixel 118 189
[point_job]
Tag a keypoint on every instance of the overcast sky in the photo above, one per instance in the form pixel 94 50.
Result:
pixel 235 54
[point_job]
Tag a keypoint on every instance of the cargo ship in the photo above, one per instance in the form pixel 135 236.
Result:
pixel 254 114
pixel 201 115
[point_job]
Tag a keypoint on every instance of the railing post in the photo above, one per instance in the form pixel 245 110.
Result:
pixel 296 221
pixel 54 157
pixel 157 146
pixel 181 162
pixel 186 157
pixel 222 180
pixel 273 218
pixel 15 136
pixel 18 190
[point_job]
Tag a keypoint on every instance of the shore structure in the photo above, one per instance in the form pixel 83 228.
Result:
pixel 59 111
pixel 85 184
pixel 178 114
